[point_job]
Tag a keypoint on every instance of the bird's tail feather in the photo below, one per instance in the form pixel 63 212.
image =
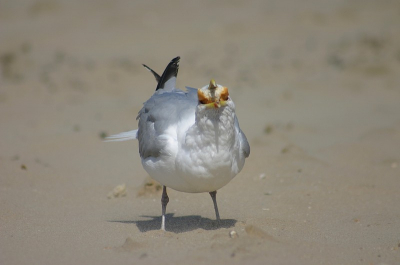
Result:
pixel 124 136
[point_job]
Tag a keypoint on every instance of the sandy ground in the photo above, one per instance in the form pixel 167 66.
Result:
pixel 317 90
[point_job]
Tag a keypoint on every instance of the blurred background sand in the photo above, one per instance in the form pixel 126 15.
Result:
pixel 317 90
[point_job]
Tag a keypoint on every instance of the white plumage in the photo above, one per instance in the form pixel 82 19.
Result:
pixel 189 141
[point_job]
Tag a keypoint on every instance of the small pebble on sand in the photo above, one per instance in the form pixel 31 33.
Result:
pixel 233 234
pixel 117 192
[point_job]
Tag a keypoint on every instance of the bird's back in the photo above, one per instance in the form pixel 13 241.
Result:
pixel 160 116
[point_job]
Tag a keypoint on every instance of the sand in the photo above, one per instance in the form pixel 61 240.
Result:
pixel 317 90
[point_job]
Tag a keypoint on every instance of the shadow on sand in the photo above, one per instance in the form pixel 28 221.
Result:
pixel 180 224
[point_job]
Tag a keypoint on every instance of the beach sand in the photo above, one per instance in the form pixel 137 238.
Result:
pixel 317 91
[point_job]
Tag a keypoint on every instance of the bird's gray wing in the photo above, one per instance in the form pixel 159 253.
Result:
pixel 154 109
pixel 244 144
pixel 161 111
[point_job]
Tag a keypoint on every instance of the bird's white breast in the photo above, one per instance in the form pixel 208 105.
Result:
pixel 202 154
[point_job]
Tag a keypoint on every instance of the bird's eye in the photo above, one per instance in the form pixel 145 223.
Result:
pixel 203 101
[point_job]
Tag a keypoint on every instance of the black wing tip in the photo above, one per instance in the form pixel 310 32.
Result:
pixel 176 59
pixel 156 76
pixel 173 66
pixel 170 71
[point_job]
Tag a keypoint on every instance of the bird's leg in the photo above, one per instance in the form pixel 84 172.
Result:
pixel 164 202
pixel 214 198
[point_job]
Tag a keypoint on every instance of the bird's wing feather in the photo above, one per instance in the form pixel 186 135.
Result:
pixel 159 113
pixel 156 76
pixel 244 144
pixel 168 79
pixel 124 136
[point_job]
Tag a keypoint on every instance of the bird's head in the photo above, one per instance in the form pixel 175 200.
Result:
pixel 213 96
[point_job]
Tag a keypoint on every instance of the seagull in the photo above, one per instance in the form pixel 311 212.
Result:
pixel 189 141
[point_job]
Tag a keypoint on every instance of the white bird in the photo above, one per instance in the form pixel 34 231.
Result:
pixel 189 141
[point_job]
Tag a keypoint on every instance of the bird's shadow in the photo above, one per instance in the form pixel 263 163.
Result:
pixel 180 224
